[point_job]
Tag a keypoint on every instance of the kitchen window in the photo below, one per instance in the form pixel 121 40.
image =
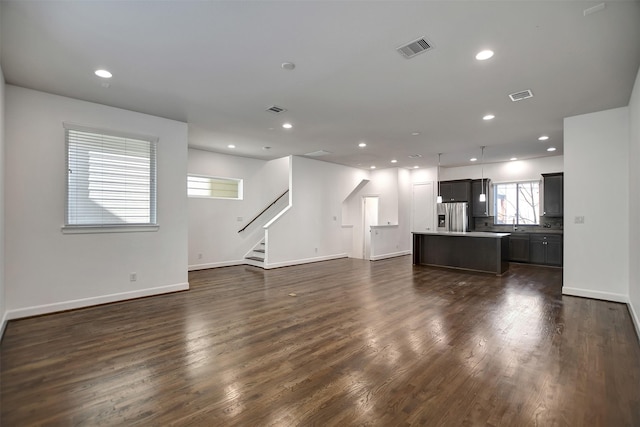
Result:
pixel 111 180
pixel 517 203
pixel 214 187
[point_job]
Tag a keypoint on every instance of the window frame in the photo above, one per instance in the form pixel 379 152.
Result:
pixel 239 181
pixel 517 216
pixel 152 225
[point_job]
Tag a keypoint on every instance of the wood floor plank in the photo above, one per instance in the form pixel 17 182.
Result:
pixel 362 343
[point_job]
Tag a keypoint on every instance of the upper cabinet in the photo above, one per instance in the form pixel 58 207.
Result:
pixel 456 191
pixel 553 194
pixel 480 209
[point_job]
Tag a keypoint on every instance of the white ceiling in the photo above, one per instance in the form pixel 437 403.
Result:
pixel 217 66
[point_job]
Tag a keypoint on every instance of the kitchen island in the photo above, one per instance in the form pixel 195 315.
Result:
pixel 477 251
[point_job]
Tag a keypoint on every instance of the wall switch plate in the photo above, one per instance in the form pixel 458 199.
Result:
pixel 133 277
pixel 578 220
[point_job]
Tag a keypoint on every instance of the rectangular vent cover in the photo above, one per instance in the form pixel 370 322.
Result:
pixel 519 96
pixel 414 48
pixel 318 153
pixel 275 109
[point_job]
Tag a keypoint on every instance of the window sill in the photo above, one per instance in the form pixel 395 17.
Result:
pixel 89 229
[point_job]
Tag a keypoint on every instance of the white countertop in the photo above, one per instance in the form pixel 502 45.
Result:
pixel 490 235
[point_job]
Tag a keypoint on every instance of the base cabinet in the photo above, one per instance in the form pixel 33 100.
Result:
pixel 519 247
pixel 545 249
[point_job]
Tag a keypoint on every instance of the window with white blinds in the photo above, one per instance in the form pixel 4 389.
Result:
pixel 212 187
pixel 111 179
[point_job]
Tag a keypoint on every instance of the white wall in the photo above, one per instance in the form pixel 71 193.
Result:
pixel 518 170
pixel 3 319
pixel 596 186
pixel 384 184
pixel 395 190
pixel 47 270
pixel 312 229
pixel 634 204
pixel 424 175
pixel 214 240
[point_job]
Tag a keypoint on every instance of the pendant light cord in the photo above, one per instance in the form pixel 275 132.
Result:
pixel 439 154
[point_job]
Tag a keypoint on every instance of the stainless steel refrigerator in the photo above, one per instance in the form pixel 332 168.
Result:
pixel 453 217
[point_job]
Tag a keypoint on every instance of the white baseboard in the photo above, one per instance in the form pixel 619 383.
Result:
pixel 586 293
pixel 304 261
pixel 3 325
pixel 635 319
pixel 216 265
pixel 391 255
pixel 88 302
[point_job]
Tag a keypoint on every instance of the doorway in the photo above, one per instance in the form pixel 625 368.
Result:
pixel 369 218
pixel 423 210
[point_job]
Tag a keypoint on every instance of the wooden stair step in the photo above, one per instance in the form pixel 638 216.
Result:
pixel 255 258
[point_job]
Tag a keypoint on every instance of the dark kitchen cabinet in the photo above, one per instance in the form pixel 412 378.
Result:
pixel 553 193
pixel 519 247
pixel 545 249
pixel 455 191
pixel 479 209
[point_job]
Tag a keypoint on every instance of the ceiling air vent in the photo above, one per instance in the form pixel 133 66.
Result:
pixel 318 153
pixel 415 156
pixel 415 47
pixel 519 96
pixel 275 109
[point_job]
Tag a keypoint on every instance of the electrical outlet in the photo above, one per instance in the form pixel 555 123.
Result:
pixel 199 256
pixel 316 250
pixel 578 220
pixel 133 277
pixel 239 219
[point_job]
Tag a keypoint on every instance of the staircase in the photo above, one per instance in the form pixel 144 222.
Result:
pixel 257 255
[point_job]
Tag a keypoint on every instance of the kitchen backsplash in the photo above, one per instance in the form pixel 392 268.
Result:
pixel 486 224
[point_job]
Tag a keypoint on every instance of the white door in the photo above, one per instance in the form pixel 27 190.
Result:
pixel 423 212
pixel 370 217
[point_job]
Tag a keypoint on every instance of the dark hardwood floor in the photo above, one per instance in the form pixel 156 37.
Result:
pixel 383 343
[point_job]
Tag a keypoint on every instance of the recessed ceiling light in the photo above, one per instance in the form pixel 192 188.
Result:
pixel 485 54
pixel 104 74
pixel 372 167
pixel 362 144
pixel 489 117
pixel 415 133
pixel 231 146
pixel 551 149
pixel 543 138
pixel 513 158
pixel 394 161
pixel 473 159
pixel 288 66
pixel 416 167
pixel 287 125
pixel 266 147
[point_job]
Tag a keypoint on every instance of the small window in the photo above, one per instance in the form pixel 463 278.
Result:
pixel 212 187
pixel 111 179
pixel 517 203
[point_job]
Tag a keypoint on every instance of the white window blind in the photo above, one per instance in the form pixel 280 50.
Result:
pixel 212 187
pixel 111 179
